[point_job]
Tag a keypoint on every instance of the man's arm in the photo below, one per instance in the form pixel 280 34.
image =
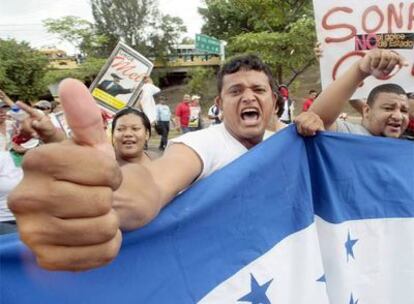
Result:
pixel 74 198
pixel 145 190
pixel 329 104
pixel 6 99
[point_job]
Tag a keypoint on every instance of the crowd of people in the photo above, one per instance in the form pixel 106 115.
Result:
pixel 119 186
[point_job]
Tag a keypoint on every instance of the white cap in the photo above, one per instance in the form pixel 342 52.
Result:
pixel 30 144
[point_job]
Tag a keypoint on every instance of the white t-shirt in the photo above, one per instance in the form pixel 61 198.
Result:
pixel 5 139
pixel 147 101
pixel 351 128
pixel 287 111
pixel 215 147
pixel 10 176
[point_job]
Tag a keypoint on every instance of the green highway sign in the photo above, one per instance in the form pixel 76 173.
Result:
pixel 207 44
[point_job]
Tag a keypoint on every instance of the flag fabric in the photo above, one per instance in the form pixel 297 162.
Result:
pixel 327 219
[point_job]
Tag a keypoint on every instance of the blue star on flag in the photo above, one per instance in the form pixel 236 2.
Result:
pixel 349 245
pixel 257 295
pixel 322 279
pixel 351 301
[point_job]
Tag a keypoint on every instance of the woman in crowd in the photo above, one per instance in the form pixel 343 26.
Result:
pixel 131 130
pixel 10 176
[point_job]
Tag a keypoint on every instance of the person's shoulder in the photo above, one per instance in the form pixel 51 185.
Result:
pixel 151 155
pixel 210 132
pixel 350 127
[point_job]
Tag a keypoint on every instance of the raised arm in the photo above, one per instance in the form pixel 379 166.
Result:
pixel 330 103
pixel 74 198
pixel 145 190
pixel 40 125
pixel 6 99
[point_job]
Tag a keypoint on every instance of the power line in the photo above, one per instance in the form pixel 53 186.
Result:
pixel 32 30
pixel 21 24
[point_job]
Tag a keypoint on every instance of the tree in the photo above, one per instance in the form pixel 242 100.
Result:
pixel 198 80
pixel 86 72
pixel 21 70
pixel 187 40
pixel 129 20
pixel 78 32
pixel 138 23
pixel 281 31
pixel 163 40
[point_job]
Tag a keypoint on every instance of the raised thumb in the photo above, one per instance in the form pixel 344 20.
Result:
pixel 83 116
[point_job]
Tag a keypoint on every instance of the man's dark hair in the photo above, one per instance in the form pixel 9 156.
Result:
pixel 129 110
pixel 384 88
pixel 245 63
pixel 312 91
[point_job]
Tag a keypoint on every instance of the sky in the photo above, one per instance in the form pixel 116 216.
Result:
pixel 22 19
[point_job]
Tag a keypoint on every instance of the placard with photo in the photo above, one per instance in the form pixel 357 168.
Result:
pixel 119 82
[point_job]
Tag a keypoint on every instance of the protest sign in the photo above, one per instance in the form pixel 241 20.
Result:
pixel 119 82
pixel 59 120
pixel 347 29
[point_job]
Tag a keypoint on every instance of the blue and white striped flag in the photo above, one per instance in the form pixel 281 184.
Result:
pixel 320 220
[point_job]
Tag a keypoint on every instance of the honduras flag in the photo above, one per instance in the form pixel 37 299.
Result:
pixel 327 219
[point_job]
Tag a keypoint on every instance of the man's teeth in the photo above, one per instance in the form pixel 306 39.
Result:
pixel 250 114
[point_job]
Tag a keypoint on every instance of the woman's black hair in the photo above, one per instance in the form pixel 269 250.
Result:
pixel 129 110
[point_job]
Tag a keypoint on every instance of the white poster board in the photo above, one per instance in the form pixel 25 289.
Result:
pixel 346 29
pixel 119 82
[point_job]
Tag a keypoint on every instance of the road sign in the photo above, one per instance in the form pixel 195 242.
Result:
pixel 207 44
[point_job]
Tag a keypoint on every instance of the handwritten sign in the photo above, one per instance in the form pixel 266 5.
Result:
pixel 347 29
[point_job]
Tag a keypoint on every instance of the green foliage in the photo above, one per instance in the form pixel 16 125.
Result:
pixel 199 80
pixel 79 32
pixel 187 40
pixel 90 68
pixel 86 72
pixel 126 19
pixel 139 23
pixel 136 22
pixel 282 32
pixel 21 70
pixel 162 42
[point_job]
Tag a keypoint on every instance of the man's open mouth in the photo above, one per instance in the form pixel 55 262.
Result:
pixel 395 127
pixel 250 115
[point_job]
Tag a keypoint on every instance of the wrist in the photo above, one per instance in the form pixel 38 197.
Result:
pixel 361 72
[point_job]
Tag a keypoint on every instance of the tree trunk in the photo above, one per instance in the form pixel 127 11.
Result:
pixel 300 71
pixel 279 74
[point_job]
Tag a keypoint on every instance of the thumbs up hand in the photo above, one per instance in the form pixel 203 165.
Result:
pixel 63 205
pixel 83 116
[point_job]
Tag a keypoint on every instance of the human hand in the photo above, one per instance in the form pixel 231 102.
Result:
pixel 380 63
pixel 39 125
pixel 308 123
pixel 63 206
pixel 317 50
